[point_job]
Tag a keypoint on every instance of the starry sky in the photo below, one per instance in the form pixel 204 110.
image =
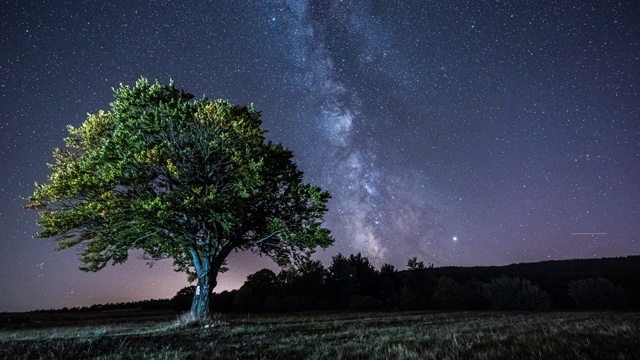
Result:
pixel 461 132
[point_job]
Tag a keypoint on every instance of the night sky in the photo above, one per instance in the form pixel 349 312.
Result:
pixel 463 133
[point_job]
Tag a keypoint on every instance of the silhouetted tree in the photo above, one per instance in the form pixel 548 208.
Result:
pixel 414 264
pixel 303 286
pixel 389 285
pixel 351 276
pixel 256 289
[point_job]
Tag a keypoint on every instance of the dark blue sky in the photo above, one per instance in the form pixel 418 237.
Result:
pixel 463 133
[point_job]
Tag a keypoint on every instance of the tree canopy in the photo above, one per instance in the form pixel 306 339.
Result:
pixel 181 179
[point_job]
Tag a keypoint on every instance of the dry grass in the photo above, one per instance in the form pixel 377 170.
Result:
pixel 458 335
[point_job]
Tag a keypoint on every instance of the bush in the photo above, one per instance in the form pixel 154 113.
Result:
pixel 597 294
pixel 508 293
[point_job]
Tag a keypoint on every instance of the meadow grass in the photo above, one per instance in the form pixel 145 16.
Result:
pixel 450 335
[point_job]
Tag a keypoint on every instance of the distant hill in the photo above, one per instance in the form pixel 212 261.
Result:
pixel 554 276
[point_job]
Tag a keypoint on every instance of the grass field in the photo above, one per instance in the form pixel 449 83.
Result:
pixel 454 335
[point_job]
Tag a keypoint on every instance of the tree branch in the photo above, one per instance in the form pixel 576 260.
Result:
pixel 260 241
pixel 196 261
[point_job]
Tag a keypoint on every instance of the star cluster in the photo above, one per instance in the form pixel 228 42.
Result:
pixel 463 133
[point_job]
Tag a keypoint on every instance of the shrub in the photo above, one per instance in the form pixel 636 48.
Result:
pixel 508 293
pixel 597 294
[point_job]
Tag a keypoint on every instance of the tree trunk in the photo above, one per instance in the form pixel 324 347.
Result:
pixel 207 272
pixel 201 305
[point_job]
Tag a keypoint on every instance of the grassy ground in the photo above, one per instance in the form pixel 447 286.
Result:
pixel 456 335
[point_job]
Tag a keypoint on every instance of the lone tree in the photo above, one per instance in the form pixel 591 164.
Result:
pixel 181 179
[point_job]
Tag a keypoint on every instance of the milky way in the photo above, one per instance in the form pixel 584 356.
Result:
pixel 334 44
pixel 462 133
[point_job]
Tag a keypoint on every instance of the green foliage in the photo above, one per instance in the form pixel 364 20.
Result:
pixel 164 175
pixel 508 293
pixel 181 179
pixel 597 294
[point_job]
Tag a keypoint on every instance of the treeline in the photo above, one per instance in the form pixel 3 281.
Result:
pixel 353 283
pixel 152 304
